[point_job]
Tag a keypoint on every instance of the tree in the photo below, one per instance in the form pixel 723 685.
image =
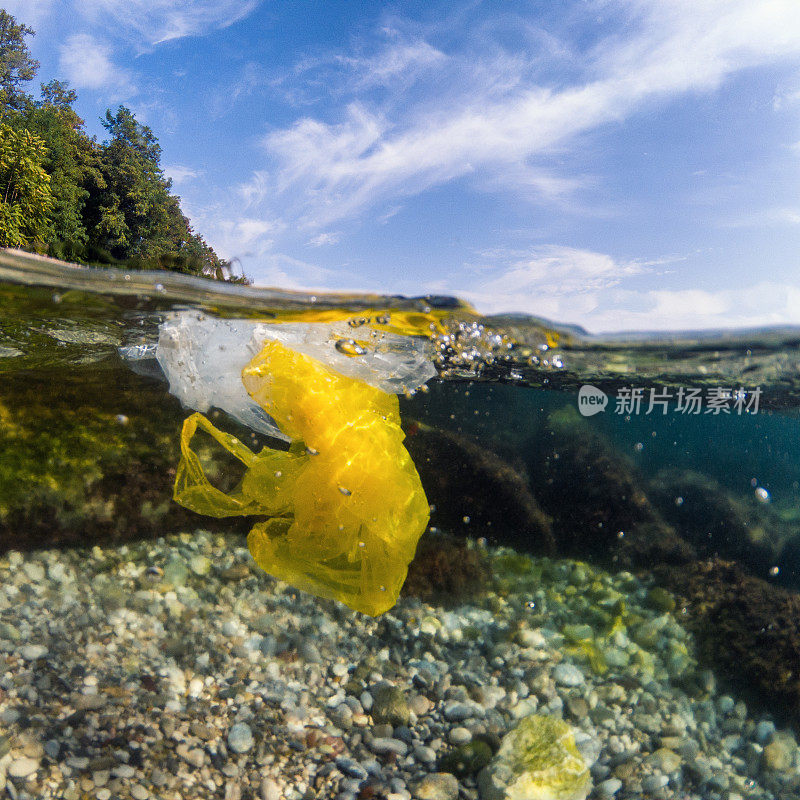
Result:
pixel 16 64
pixel 61 190
pixel 25 197
pixel 129 207
pixel 135 217
pixel 71 162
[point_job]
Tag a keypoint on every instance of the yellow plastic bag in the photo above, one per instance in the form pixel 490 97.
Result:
pixel 346 504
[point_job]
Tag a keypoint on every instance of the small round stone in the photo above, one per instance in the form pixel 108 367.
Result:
pixel 32 652
pixel 567 675
pixel 22 767
pixel 438 786
pixel 609 787
pixel 240 738
pixel 459 735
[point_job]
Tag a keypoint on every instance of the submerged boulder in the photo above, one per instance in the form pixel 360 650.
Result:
pixel 537 760
pixel 446 570
pixel 746 628
pixel 472 491
pixel 717 523
pixel 91 462
pixel 597 502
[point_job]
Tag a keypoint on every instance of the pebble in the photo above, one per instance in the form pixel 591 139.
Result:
pixel 609 787
pixel 420 705
pixel 383 745
pixel 32 652
pixel 438 786
pixel 240 738
pixel 389 705
pixel 459 736
pixel 123 771
pixel 458 712
pixel 200 565
pixel 568 675
pixel 425 754
pixel 652 783
pixel 269 790
pixel 764 732
pixel 22 767
pixel 327 689
pixel 351 768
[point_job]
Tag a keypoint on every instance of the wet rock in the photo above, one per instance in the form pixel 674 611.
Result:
pixel 597 502
pixel 438 786
pixel 23 767
pixel 389 704
pixel 32 652
pixel 200 565
pixel 568 675
pixel 715 522
pixel 780 754
pixel 240 738
pixel 748 629
pixel 102 481
pixel 269 790
pixel 538 758
pixel 446 570
pixel 472 488
pixel 467 759
pixel 351 768
pixel 385 745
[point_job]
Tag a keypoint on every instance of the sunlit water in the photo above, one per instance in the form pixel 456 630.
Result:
pixel 614 541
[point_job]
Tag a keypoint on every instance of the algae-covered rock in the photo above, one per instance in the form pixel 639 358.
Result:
pixel 474 491
pixel 596 499
pixel 746 628
pixel 537 760
pixel 467 759
pixel 446 571
pixel 389 704
pixel 89 458
pixel 718 523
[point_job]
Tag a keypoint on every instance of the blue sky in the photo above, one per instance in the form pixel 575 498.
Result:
pixel 620 164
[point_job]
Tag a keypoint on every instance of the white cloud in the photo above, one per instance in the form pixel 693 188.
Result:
pixel 29 12
pixel 582 287
pixel 560 283
pixel 780 215
pixel 156 21
pixel 324 239
pixel 87 64
pixel 403 61
pixel 562 271
pixel 285 272
pixel 495 119
pixel 245 237
pixel 179 174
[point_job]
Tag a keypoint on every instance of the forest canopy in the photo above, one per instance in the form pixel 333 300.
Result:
pixel 67 195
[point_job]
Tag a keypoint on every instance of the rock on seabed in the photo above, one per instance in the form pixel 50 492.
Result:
pixel 537 760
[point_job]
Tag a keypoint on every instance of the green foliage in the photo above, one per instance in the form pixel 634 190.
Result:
pixel 79 200
pixel 16 64
pixel 25 197
pixel 71 162
pixel 133 216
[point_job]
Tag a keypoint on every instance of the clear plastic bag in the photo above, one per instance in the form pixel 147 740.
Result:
pixel 202 357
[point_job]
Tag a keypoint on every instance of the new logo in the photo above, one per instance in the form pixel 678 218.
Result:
pixel 591 400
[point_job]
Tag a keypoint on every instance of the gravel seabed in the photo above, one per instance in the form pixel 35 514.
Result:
pixel 178 669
